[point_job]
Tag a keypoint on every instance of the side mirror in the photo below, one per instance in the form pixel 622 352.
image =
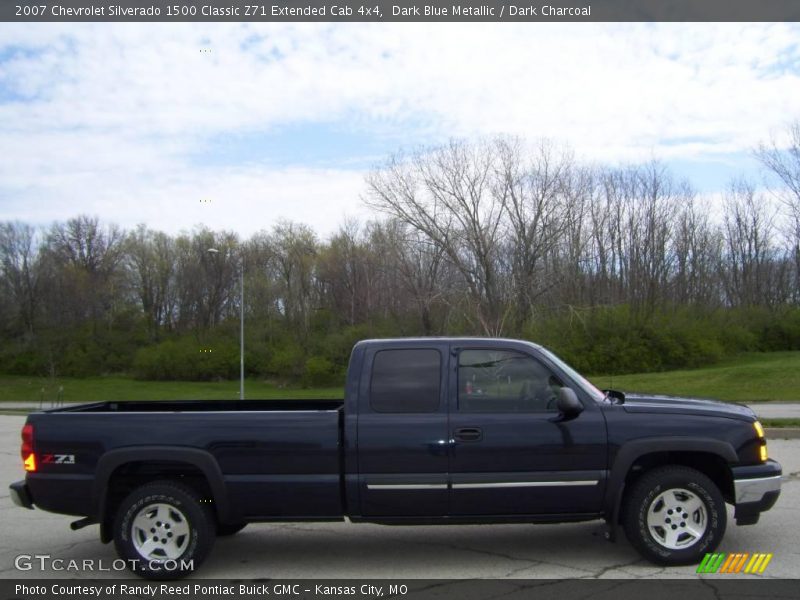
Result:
pixel 568 403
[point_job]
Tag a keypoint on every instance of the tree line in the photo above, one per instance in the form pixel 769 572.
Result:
pixel 617 268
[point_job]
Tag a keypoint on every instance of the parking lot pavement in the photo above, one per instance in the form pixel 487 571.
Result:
pixel 345 550
pixel 776 410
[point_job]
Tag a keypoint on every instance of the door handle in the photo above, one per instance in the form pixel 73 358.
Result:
pixel 439 447
pixel 468 434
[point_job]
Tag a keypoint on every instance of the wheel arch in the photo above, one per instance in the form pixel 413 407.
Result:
pixel 711 457
pixel 139 465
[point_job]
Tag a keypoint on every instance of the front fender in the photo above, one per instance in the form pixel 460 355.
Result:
pixel 630 451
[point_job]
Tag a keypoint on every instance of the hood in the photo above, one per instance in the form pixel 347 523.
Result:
pixel 672 404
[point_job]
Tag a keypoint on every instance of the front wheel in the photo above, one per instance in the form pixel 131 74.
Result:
pixel 674 515
pixel 163 531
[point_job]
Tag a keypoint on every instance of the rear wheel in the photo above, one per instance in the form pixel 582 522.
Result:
pixel 163 531
pixel 674 515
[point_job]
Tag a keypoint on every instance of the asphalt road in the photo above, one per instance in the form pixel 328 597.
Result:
pixel 345 550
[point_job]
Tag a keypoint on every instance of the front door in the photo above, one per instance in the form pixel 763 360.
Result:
pixel 511 453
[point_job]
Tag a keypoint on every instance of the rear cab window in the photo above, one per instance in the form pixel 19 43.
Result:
pixel 406 380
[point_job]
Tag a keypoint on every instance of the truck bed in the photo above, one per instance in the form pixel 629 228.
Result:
pixel 276 458
pixel 150 406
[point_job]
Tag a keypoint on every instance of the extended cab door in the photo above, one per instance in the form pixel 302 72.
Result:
pixel 402 430
pixel 511 453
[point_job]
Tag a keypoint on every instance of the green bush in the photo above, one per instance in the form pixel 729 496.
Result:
pixel 188 360
pixel 606 340
pixel 782 332
pixel 319 372
pixel 24 362
pixel 615 340
pixel 80 361
pixel 286 360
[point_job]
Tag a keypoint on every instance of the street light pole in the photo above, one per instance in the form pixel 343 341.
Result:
pixel 241 329
pixel 241 321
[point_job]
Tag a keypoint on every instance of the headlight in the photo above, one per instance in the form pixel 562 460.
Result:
pixel 762 450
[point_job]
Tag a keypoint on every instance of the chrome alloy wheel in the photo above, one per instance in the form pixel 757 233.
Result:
pixel 677 518
pixel 160 532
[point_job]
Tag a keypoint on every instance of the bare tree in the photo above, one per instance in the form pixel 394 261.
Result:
pixel 205 282
pixel 85 260
pixel 784 163
pixel 446 194
pixel 294 252
pixel 344 269
pixel 636 241
pixel 749 268
pixel 541 208
pixel 697 255
pixel 420 267
pixel 151 266
pixel 20 268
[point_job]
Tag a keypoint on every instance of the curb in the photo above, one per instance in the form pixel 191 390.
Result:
pixel 782 433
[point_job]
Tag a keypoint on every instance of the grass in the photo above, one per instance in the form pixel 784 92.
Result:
pixel 751 377
pixel 94 389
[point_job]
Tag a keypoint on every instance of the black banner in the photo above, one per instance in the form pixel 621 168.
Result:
pixel 710 588
pixel 400 10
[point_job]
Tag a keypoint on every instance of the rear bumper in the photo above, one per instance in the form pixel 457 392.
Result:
pixel 63 494
pixel 20 495
pixel 756 489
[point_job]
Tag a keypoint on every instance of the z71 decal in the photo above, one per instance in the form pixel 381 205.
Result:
pixel 58 459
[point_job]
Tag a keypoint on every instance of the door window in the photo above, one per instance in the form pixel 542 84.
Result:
pixel 405 381
pixel 505 381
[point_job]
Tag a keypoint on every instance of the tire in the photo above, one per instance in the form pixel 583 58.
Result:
pixel 171 510
pixel 674 515
pixel 227 529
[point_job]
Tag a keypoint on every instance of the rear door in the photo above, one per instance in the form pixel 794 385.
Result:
pixel 402 430
pixel 511 453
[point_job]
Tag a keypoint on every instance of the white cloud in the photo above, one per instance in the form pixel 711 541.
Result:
pixel 243 200
pixel 111 117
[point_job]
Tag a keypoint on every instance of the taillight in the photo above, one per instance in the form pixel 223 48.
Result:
pixel 27 451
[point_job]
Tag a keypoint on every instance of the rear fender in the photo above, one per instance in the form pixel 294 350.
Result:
pixel 197 458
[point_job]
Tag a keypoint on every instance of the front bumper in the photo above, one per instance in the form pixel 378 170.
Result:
pixel 756 489
pixel 20 495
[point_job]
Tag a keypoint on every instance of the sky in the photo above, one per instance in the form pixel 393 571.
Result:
pixel 235 126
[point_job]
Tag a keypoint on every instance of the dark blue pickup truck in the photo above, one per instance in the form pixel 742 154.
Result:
pixel 431 430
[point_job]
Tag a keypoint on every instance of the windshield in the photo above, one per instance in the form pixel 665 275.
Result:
pixel 587 385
